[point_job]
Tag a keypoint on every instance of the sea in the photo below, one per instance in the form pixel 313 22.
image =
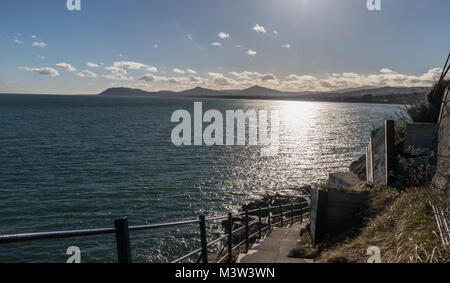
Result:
pixel 70 162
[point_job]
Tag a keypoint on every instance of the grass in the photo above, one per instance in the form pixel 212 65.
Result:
pixel 379 197
pixel 304 247
pixel 405 232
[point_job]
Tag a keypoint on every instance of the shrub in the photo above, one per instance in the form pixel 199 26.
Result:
pixel 423 113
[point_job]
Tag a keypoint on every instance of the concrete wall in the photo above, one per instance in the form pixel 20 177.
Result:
pixel 346 179
pixel 420 135
pixel 333 211
pixel 378 161
pixel 380 154
pixel 341 208
pixel 318 212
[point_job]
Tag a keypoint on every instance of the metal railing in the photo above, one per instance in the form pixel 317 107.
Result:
pixel 121 230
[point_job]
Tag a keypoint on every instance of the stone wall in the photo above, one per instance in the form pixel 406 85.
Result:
pixel 441 179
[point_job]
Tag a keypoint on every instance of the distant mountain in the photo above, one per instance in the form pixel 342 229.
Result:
pixel 397 95
pixel 201 92
pixel 124 91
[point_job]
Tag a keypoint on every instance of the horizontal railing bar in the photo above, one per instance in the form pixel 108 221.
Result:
pixel 274 224
pixel 238 229
pixel 187 255
pixel 216 218
pixel 162 225
pixel 243 227
pixel 216 240
pixel 238 245
pixel 265 228
pixel 254 234
pixel 54 235
pixel 257 209
pixel 222 258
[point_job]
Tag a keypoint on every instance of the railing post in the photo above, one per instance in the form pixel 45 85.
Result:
pixel 203 242
pixel 230 237
pixel 301 213
pixel 259 222
pixel 123 240
pixel 292 214
pixel 281 216
pixel 246 230
pixel 268 219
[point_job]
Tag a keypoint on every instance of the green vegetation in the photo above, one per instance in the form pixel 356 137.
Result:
pixel 423 113
pixel 428 112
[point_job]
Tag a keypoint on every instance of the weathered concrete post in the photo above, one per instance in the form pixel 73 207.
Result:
pixel 369 164
pixel 319 202
pixel 389 150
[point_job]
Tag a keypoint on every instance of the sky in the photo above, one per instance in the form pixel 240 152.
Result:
pixel 293 45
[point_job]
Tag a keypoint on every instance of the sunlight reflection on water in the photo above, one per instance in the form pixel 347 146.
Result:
pixel 80 162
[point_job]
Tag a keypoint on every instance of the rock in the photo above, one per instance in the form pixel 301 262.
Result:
pixel 359 167
pixel 416 167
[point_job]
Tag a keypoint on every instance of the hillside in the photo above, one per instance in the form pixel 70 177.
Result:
pixel 395 95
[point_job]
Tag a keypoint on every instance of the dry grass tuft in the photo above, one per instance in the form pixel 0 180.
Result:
pixel 405 232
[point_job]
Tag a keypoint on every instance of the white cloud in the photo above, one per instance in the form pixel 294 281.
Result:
pixel 268 77
pixel 251 52
pixel 386 71
pixel 287 45
pixel 148 78
pixel 190 71
pixel 212 74
pixel 275 32
pixel 118 77
pixel 156 46
pixel 39 44
pixel 178 71
pixel 129 65
pixel 152 69
pixel 194 79
pixel 42 71
pixel 259 28
pixel 33 36
pixel 87 74
pixel 352 80
pixel 223 35
pixel 238 45
pixel 92 65
pixel 216 44
pixel 221 81
pixel 189 36
pixel 65 66
pixel 292 82
pixel 16 40
pixel 117 74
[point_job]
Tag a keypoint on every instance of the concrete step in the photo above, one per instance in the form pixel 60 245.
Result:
pixel 275 247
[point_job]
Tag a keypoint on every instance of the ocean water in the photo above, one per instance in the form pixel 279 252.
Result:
pixel 76 162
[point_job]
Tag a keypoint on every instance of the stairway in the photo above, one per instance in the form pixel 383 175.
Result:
pixel 275 247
